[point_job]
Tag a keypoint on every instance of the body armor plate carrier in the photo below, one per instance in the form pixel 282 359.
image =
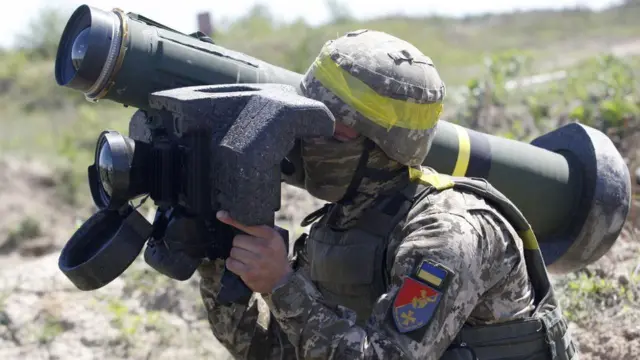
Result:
pixel 350 268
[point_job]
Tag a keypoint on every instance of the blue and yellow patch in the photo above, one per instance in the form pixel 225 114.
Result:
pixel 432 274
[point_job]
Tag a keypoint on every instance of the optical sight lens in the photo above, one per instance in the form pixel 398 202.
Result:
pixel 79 48
pixel 105 168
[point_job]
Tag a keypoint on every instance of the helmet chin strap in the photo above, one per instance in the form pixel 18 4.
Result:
pixel 359 174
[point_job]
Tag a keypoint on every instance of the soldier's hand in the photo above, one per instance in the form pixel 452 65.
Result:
pixel 259 256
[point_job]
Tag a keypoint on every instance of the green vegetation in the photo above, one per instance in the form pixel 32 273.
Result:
pixel 585 293
pixel 131 324
pixel 601 91
pixel 28 228
pixel 51 329
pixel 479 57
pixel 457 46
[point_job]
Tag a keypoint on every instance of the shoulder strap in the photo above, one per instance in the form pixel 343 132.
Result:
pixel 390 211
pixel 382 219
pixel 533 256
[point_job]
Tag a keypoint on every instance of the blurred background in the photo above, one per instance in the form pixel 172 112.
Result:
pixel 516 69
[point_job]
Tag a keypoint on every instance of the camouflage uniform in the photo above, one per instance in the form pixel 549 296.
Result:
pixel 342 301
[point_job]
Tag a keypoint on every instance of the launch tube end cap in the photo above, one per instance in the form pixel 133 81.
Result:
pixel 603 203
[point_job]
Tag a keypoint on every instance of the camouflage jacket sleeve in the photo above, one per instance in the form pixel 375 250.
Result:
pixel 442 240
pixel 247 332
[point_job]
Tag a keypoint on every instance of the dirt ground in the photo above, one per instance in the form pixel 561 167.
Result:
pixel 140 315
pixel 42 316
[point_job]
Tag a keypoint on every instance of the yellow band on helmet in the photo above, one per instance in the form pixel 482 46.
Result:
pixel 384 111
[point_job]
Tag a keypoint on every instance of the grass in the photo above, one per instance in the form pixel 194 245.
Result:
pixel 57 124
pixel 583 294
pixel 480 54
pixel 457 46
pixel 27 229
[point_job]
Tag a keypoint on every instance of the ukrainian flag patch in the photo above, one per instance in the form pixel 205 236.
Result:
pixel 433 274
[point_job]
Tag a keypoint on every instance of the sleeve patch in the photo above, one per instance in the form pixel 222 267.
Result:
pixel 414 305
pixel 419 297
pixel 433 274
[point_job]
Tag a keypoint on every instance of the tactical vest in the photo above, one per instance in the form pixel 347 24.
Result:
pixel 351 268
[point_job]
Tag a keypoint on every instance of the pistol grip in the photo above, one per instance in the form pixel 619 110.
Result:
pixel 232 289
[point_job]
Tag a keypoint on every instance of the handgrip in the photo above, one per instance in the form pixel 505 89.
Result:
pixel 232 289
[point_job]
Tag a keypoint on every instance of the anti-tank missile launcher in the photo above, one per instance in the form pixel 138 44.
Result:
pixel 571 184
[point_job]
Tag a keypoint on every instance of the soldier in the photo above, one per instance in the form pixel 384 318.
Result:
pixel 403 263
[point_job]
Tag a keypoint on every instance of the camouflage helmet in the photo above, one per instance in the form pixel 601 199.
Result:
pixel 381 86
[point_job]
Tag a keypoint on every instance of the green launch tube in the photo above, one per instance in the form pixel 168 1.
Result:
pixel 527 174
pixel 571 184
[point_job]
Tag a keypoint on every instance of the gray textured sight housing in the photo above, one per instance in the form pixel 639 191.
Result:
pixel 200 150
pixel 571 184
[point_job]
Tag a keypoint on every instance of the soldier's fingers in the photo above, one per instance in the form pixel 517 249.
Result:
pixel 244 256
pixel 250 243
pixel 258 231
pixel 236 266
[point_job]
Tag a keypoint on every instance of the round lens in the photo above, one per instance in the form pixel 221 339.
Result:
pixel 105 168
pixel 79 48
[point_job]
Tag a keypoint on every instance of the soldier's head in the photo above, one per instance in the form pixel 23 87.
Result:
pixel 386 96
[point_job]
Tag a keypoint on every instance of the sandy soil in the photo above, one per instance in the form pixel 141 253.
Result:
pixel 142 315
pixel 42 316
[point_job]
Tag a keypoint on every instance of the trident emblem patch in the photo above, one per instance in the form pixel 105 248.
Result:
pixel 414 305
